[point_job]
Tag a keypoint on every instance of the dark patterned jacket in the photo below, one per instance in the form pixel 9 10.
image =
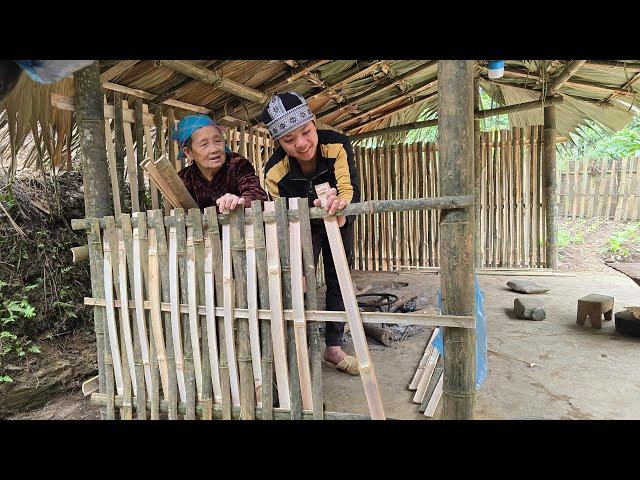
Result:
pixel 335 164
pixel 236 176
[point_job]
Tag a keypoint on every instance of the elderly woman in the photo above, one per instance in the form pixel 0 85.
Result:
pixel 216 175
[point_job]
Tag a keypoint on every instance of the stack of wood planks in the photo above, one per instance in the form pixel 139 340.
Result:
pixel 168 182
pixel 427 381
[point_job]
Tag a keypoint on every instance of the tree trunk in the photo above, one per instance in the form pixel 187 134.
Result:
pixel 550 186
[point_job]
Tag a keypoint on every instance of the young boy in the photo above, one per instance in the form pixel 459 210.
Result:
pixel 307 157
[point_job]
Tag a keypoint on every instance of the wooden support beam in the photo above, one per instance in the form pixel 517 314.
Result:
pixel 376 90
pixel 216 79
pixel 456 107
pixel 478 115
pixel 395 110
pixel 367 113
pixel 117 69
pixel 306 69
pixel 626 87
pixel 357 75
pixel 550 186
pixel 569 71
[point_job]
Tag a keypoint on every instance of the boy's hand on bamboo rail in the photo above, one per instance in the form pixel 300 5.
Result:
pixel 334 203
pixel 229 201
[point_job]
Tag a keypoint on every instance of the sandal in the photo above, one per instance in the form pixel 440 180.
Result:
pixel 349 364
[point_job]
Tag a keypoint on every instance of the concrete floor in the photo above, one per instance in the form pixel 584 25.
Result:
pixel 583 372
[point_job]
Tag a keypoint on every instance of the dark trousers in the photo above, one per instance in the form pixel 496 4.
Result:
pixel 333 330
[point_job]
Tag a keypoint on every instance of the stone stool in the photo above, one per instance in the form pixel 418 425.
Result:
pixel 594 306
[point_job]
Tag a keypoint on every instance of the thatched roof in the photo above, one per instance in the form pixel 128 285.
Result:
pixel 349 95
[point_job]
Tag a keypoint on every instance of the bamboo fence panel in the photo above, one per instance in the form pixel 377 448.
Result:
pixel 608 188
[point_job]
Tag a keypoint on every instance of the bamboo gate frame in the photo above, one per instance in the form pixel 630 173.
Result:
pixel 600 188
pixel 199 321
pixel 512 201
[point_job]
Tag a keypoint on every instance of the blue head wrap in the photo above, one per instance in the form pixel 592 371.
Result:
pixel 190 124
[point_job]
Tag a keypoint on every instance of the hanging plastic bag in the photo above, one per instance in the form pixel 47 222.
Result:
pixel 481 333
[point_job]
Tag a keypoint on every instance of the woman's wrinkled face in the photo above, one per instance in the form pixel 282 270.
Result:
pixel 207 149
pixel 302 142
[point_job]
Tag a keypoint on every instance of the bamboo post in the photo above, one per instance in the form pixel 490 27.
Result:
pixel 118 134
pixel 367 371
pixel 173 145
pixel 132 164
pixel 311 303
pixel 491 201
pixel 140 373
pixel 252 308
pixel 368 218
pixel 358 234
pixel 275 303
pixel 189 369
pixel 263 291
pixel 477 175
pixel 612 183
pixel 229 335
pixel 156 219
pixel 297 303
pixel 90 122
pixel 550 186
pixel 511 197
pixel 433 174
pixel 592 191
pixel 455 103
pixel 195 220
pixel 213 232
pixel 524 194
pixel 247 387
pixel 282 225
pixel 584 187
pixel 602 186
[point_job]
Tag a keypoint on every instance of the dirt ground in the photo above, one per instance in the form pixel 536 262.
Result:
pixel 581 373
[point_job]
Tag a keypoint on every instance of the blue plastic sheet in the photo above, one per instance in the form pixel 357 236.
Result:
pixel 481 334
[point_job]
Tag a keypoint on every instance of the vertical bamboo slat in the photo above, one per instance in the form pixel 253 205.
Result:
pixel 238 256
pixel 189 368
pixel 156 218
pixel 611 191
pixel 140 373
pixel 252 305
pixel 602 188
pixel 584 180
pixel 176 327
pixel 213 232
pixel 275 303
pixel 265 326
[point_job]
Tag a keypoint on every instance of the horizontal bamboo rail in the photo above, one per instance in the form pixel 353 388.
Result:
pixel 100 399
pixel 422 319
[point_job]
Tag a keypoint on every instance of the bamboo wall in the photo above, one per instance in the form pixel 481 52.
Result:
pixel 512 210
pixel 512 207
pixel 600 188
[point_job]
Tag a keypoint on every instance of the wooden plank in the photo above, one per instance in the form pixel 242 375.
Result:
pixel 591 192
pixel 426 376
pixel 435 399
pixel 433 383
pixel 366 368
pixel 227 282
pixel 173 144
pixel 275 303
pixel 297 303
pixel 602 184
pixel 576 190
pixel 252 306
pixel 154 153
pixel 611 190
pixel 423 360
pixel 584 180
pixel 213 232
